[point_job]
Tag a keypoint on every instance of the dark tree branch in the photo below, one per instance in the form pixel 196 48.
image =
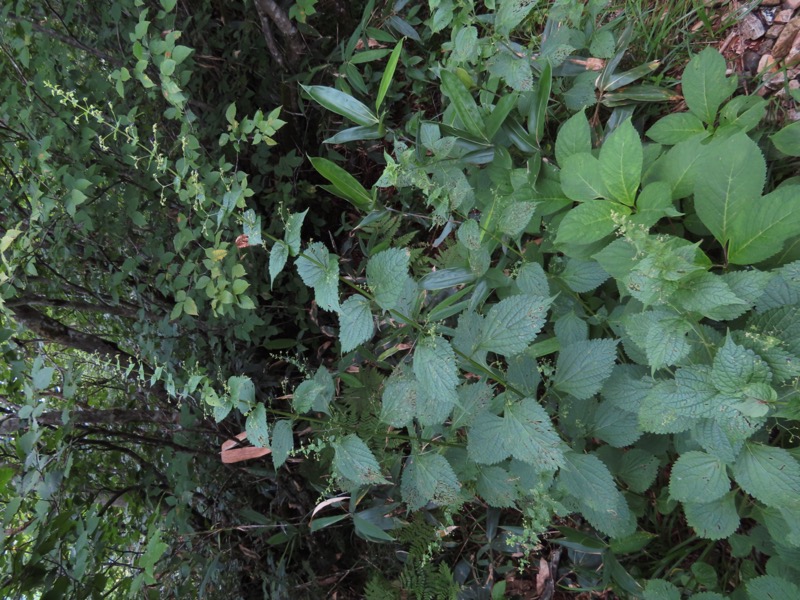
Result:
pixel 269 10
pixel 119 310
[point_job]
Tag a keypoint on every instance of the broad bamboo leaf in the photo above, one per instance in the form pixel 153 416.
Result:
pixel 344 183
pixel 355 134
pixel 463 103
pixel 388 74
pixel 342 104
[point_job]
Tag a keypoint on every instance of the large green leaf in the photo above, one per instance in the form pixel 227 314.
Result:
pixel 698 478
pixel 761 230
pixel 388 74
pixel 734 172
pixel 675 128
pixel 582 367
pixel 345 184
pixel 319 269
pixel 510 14
pixel 771 587
pixel 621 159
pixel 256 426
pixel 581 178
pixel 771 475
pixel 787 140
pixel 386 276
pixel 513 323
pixel 435 368
pixel 713 520
pixel 463 103
pixel 355 323
pixel 429 478
pixel 342 104
pixel 589 222
pixel 529 436
pixel 353 460
pixel 705 85
pixel 282 442
pixel 574 137
pixel 399 400
pixel 497 487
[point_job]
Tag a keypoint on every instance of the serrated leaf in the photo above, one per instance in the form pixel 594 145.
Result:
pixel 583 275
pixel 705 85
pixel 256 426
pixel 588 481
pixel 582 367
pixel 663 410
pixel 570 328
pixel 512 324
pixel 315 393
pixel 698 478
pixel 581 178
pixel 497 487
pixel 320 269
pixel 709 295
pixel 528 435
pixel 294 224
pixel 654 202
pixel 589 222
pixel 660 589
pixel 713 439
pixel 484 440
pixel 399 400
pixel 469 234
pixel 355 323
pixel 531 279
pixel 515 217
pixel 435 367
pixel 734 172
pixel 771 587
pixel 627 387
pixel 616 427
pixel 510 14
pixel 662 335
pixel 638 469
pixel 679 167
pixel 428 478
pixel 769 474
pixel 282 442
pixel 574 137
pixel 735 366
pixel 714 520
pixel 675 128
pixel 354 460
pixel 386 275
pixel 621 159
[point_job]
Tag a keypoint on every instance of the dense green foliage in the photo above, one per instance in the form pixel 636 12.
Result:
pixel 503 298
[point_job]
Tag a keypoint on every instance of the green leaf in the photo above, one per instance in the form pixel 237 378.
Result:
pixel 589 222
pixel 583 275
pixel 463 103
pixel 355 323
pixel 344 183
pixel 386 276
pixel 770 587
pixel 356 134
pixel 769 474
pixel 388 74
pixel 787 140
pixel 152 553
pixel 469 234
pixel 484 440
pixel 581 178
pixel 639 470
pixel 660 589
pixel 429 478
pixel 320 269
pixel 698 478
pixel 497 487
pixel 736 366
pixel 513 323
pixel 435 367
pixel 616 427
pixel 538 115
pixel 282 442
pixel 761 230
pixel 675 128
pixel 528 435
pixel 679 167
pixel 510 14
pixel 574 137
pixel 515 217
pixel 256 426
pixel 621 159
pixel 242 389
pixel 531 279
pixel 342 104
pixel 278 256
pixel 705 85
pixel 714 520
pixel 292 233
pixel 709 295
pixel 654 202
pixel 582 367
pixel 353 460
pixel 315 393
pixel 734 172
pixel 42 376
pixel 588 481
pixel 399 400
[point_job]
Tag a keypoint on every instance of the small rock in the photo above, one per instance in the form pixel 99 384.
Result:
pixel 770 2
pixel 751 27
pixel 793 4
pixel 750 60
pixel 765 47
pixel 774 31
pixel 793 56
pixel 785 40
pixel 768 14
pixel 765 63
pixel 784 16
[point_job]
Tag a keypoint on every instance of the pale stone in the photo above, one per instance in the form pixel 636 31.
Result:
pixel 751 27
pixel 793 57
pixel 784 16
pixel 774 31
pixel 770 2
pixel 765 63
pixel 785 40
pixel 793 4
